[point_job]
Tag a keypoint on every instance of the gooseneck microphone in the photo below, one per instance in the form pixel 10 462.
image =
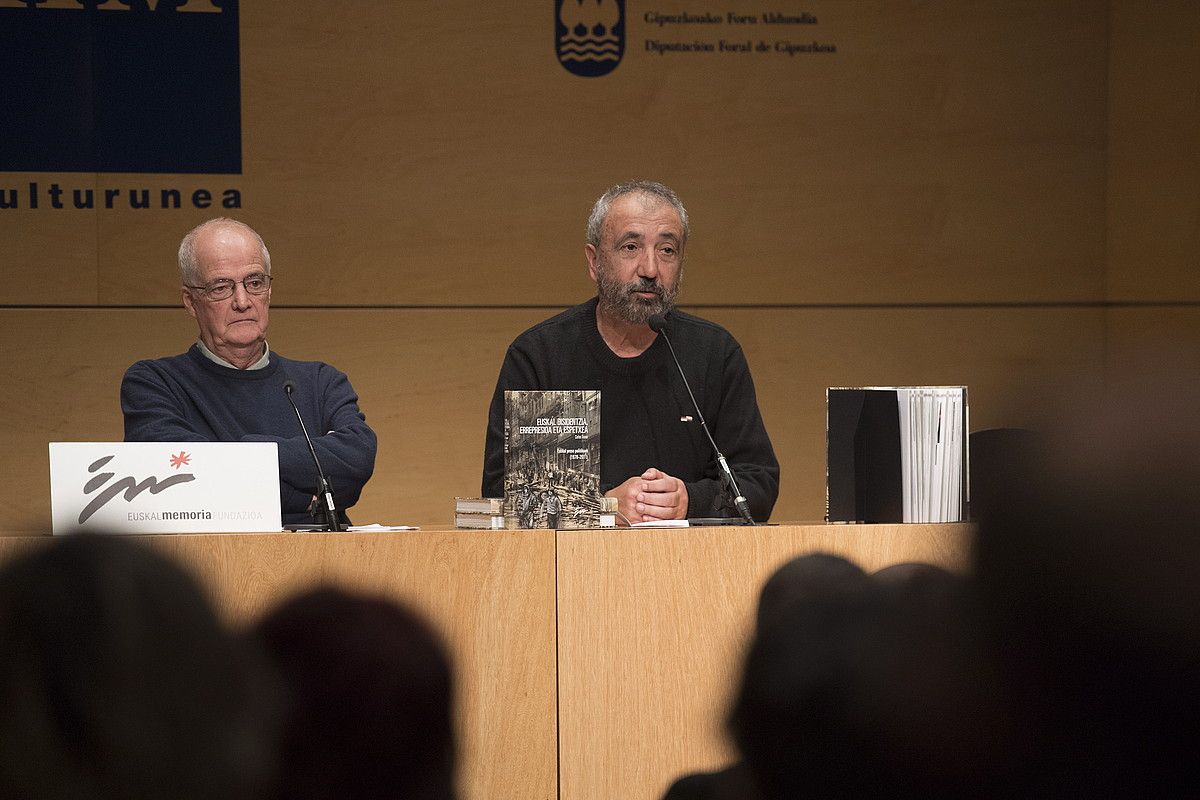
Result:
pixel 658 324
pixel 324 492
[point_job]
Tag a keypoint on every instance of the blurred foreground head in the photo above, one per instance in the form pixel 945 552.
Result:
pixel 863 686
pixel 1089 592
pixel 371 710
pixel 117 681
pixel 804 578
pixel 866 689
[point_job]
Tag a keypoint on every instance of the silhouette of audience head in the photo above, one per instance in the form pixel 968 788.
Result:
pixel 798 606
pixel 812 575
pixel 796 581
pixel 371 699
pixel 118 681
pixel 864 689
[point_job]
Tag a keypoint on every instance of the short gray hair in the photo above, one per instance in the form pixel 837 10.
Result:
pixel 189 269
pixel 649 188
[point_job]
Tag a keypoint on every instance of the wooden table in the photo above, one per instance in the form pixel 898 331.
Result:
pixel 591 664
pixel 651 629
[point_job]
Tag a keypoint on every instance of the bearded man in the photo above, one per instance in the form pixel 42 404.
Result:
pixel 654 456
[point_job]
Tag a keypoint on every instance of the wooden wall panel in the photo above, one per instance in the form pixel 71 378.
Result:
pixel 652 625
pixel 434 154
pixel 47 256
pixel 1154 151
pixel 67 366
pixel 1161 345
pixel 425 379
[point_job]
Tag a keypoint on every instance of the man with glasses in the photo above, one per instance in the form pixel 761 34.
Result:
pixel 229 386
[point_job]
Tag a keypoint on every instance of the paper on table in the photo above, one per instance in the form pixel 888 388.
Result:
pixel 377 528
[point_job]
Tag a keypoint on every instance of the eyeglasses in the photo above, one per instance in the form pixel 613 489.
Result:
pixel 258 283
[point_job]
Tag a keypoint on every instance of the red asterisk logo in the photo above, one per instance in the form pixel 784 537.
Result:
pixel 180 460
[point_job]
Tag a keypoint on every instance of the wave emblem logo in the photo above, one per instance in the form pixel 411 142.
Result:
pixel 589 35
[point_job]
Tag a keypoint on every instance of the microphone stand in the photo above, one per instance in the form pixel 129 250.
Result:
pixel 658 324
pixel 324 492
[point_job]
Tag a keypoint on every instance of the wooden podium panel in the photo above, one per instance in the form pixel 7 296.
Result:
pixel 489 593
pixel 652 625
pixel 631 687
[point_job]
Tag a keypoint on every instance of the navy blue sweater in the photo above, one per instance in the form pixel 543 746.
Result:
pixel 189 398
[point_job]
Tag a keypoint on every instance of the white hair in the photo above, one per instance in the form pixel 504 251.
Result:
pixel 189 269
pixel 649 188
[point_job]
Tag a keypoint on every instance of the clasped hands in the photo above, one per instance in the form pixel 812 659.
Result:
pixel 653 495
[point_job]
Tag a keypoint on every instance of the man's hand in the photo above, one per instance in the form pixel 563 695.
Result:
pixel 653 495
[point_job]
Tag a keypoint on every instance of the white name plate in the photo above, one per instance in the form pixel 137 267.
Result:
pixel 164 487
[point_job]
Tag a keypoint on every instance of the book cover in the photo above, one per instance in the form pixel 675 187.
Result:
pixel 552 458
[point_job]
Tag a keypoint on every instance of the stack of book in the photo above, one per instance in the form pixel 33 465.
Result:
pixel 607 517
pixel 479 512
pixel 897 454
pixel 933 455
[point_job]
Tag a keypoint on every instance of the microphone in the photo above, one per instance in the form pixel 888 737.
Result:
pixel 658 324
pixel 324 492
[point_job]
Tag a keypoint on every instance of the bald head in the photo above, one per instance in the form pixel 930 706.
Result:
pixel 189 263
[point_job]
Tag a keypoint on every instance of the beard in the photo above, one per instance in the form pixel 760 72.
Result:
pixel 620 300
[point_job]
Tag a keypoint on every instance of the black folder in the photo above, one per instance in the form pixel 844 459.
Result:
pixel 863 479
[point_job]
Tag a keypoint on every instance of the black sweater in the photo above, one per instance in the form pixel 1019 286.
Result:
pixel 646 417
